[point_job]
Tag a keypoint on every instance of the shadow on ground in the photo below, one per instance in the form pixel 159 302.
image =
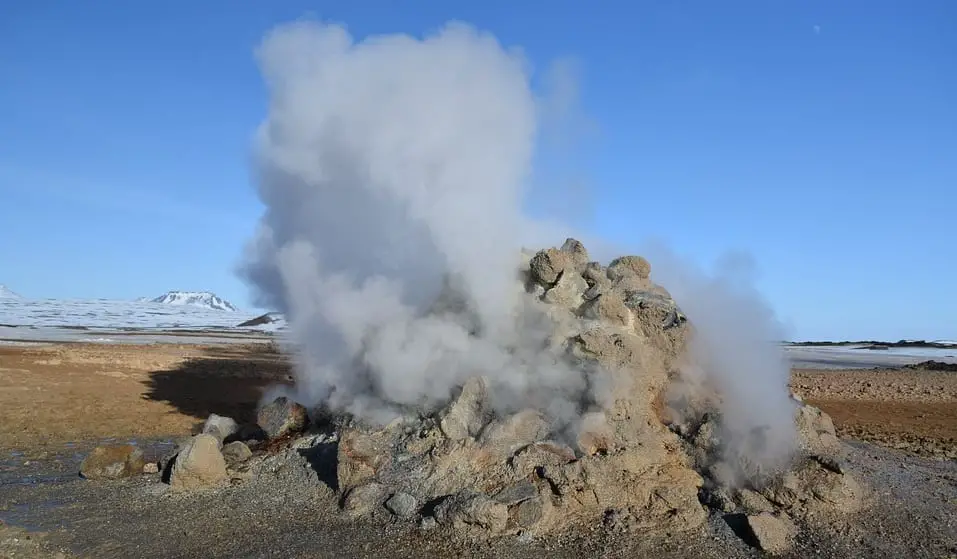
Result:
pixel 225 380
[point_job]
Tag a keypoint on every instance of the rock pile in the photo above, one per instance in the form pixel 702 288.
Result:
pixel 483 473
pixel 631 460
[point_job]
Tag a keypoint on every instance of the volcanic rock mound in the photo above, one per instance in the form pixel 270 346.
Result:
pixel 472 467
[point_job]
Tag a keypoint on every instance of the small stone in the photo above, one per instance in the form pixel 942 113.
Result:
pixel 220 427
pixel 113 462
pixel 468 509
pixel 607 307
pixel 364 499
pixel 236 452
pixel 547 265
pixel 830 463
pixel 427 523
pixel 783 491
pixel 198 465
pixel 282 416
pixel 360 455
pixel 576 250
pixel 753 502
pixel 774 534
pixel 151 468
pixel 627 266
pixel 527 513
pixel 505 436
pixel 402 505
pixel 465 416
pixel 717 498
pixel 568 290
pixel 516 493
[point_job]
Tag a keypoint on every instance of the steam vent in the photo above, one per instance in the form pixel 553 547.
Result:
pixel 642 440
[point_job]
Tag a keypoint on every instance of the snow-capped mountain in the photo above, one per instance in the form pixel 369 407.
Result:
pixel 202 299
pixel 7 293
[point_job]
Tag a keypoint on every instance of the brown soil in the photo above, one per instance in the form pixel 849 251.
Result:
pixel 912 410
pixel 57 393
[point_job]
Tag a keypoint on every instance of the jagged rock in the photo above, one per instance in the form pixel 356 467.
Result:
pixel 516 493
pixel 503 437
pixel 607 307
pixel 113 462
pixel 236 452
pixel 527 513
pixel 547 265
pixel 282 416
pixel 627 266
pixel 220 427
pixel 567 290
pixel 816 432
pixel 466 416
pixel 198 465
pixel 360 456
pixel 753 502
pixel 402 505
pixel 660 309
pixel 465 510
pixel 717 498
pixel 536 455
pixel 248 433
pixel 364 499
pixel 774 534
pixel 784 490
pixel 576 249
pixel 829 463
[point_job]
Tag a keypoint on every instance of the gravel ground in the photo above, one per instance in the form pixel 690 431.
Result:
pixel 286 511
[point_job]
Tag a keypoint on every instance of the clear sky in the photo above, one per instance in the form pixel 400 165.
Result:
pixel 820 137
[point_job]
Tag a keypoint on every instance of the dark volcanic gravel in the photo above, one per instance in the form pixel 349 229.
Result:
pixel 286 511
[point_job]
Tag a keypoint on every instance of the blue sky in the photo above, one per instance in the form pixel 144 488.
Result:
pixel 818 137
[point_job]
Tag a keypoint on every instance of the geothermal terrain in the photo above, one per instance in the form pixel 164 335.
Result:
pixel 174 415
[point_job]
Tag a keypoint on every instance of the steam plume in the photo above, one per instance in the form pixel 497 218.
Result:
pixel 388 166
pixel 395 166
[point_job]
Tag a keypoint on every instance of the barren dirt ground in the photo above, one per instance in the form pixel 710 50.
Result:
pixel 58 400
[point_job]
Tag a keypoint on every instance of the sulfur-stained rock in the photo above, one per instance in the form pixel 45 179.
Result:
pixel 282 416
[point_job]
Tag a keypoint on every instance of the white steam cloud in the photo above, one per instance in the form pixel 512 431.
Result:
pixel 388 167
pixel 393 165
pixel 735 349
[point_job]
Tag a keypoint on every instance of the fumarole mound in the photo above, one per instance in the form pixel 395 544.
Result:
pixel 638 441
pixel 648 455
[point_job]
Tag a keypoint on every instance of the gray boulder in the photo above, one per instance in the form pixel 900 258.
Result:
pixel 220 427
pixel 198 465
pixel 113 462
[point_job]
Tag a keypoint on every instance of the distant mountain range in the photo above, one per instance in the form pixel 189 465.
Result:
pixel 201 299
pixel 7 293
